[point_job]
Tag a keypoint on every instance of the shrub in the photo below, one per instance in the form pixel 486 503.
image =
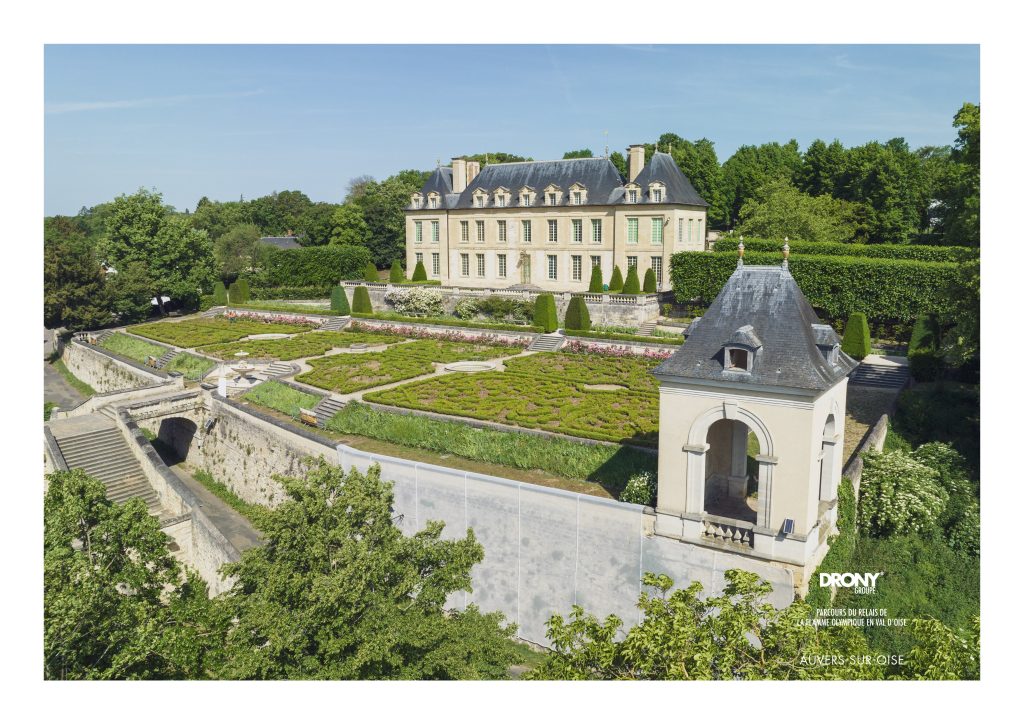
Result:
pixel 466 309
pixel 506 308
pixel 926 363
pixel 234 293
pixel 948 412
pixel 545 315
pixel 314 266
pixel 899 494
pixel 916 252
pixel 361 301
pixel 339 302
pixel 397 273
pixel 419 273
pixel 650 282
pixel 948 463
pixel 577 316
pixel 418 301
pixel 370 273
pixel 857 337
pixel 964 536
pixel 632 285
pixel 596 281
pixel 264 293
pixel 615 283
pixel 243 290
pixel 641 489
pixel 220 294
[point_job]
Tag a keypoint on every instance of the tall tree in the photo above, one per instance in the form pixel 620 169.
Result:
pixel 75 294
pixel 236 251
pixel 279 213
pixel 962 196
pixel 496 157
pixel 316 224
pixel 619 161
pixel 383 207
pixel 886 178
pixel 750 167
pixel 579 153
pixel 820 168
pixel 216 218
pixel 348 226
pixel 777 210
pixel 698 160
pixel 337 592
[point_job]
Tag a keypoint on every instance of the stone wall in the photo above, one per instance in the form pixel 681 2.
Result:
pixel 107 372
pixel 873 440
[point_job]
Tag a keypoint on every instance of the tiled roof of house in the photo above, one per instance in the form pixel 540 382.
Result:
pixel 760 305
pixel 678 189
pixel 281 242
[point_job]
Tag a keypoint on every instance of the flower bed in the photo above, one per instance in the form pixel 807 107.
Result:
pixel 578 346
pixel 198 332
pixel 312 344
pixel 446 335
pixel 448 321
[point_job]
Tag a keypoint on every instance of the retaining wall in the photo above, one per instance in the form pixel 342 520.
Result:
pixel 873 440
pixel 105 371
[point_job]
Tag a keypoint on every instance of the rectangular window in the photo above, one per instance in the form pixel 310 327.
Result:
pixel 419 231
pixel 577 231
pixel 552 266
pixel 502 265
pixel 436 264
pixel 632 196
pixel 656 196
pixel 552 230
pixel 479 231
pixel 632 230
pixel 577 268
pixel 577 198
pixel 502 231
pixel 527 232
pixel 419 258
pixel 630 261
pixel 595 231
pixel 464 230
pixel 524 200
pixel 480 265
pixel 656 227
pixel 435 231
pixel 465 264
pixel 595 261
pixel 689 231
pixel 679 238
pixel 656 266
pixel 499 200
pixel 552 199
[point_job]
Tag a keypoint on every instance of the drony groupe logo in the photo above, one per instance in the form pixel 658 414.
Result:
pixel 859 582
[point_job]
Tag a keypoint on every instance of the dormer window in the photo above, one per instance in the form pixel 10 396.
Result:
pixel 434 201
pixel 632 193
pixel 501 197
pixel 577 194
pixel 741 349
pixel 552 195
pixel 480 199
pixel 737 359
pixel 656 192
pixel 577 198
pixel 417 201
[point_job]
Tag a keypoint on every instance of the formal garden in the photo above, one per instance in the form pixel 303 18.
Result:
pixel 192 333
pixel 190 365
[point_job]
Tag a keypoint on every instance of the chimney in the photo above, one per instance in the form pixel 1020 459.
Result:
pixel 458 175
pixel 636 161
pixel 472 169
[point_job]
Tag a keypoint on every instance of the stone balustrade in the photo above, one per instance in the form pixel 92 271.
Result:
pixel 727 530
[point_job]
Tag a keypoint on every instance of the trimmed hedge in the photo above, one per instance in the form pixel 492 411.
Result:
pixel 632 285
pixel 396 275
pixel 650 282
pixel 468 323
pixel 261 293
pixel 370 273
pixel 339 302
pixel 361 301
pixel 596 281
pixel 235 293
pixel 315 266
pixel 419 274
pixel 926 364
pixel 884 289
pixel 243 290
pixel 220 294
pixel 577 316
pixel 545 314
pixel 857 337
pixel 615 284
pixel 916 252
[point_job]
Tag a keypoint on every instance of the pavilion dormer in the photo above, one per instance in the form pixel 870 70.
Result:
pixel 527 196
pixel 656 192
pixel 417 200
pixel 552 195
pixel 480 199
pixel 577 194
pixel 502 197
pixel 740 350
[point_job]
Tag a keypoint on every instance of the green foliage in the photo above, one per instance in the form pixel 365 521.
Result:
pixel 220 294
pixel 189 365
pixel 75 294
pixel 311 344
pixel 449 321
pixel 641 489
pixel 942 412
pixel 81 387
pixel 348 226
pixel 964 535
pixel 198 332
pixel 116 604
pixel 281 397
pixel 496 307
pixel 609 465
pixel 778 209
pixel 47 409
pixel 545 314
pixel 657 338
pixel 698 160
pixel 750 169
pixel 917 252
pixel 361 301
pixel 960 197
pixel 397 274
pixel 926 363
pixel 632 285
pixel 842 545
pixel 243 291
pixel 319 266
pixel 370 273
pixel 132 347
pixel 944 654
pixel 546 391
pixel 615 283
pixel 899 494
pixel 577 316
pixel 857 337
pixel 596 281
pixel 237 251
pixel 684 635
pixel 581 153
pixel 339 301
pixel 131 297
pixel 338 592
pixel 276 293
pixel 234 293
pixel 650 282
pixel 250 511
pixel 416 302
pixel 420 273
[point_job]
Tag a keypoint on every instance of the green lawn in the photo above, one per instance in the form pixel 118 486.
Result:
pixel 190 365
pixel 281 397
pixel 192 333
pixel 547 392
pixel 132 347
pixel 255 514
pixel 310 344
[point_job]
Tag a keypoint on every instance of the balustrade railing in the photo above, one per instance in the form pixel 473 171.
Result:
pixel 727 530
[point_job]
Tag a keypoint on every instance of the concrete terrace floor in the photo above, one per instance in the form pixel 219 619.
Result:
pixel 235 527
pixel 56 389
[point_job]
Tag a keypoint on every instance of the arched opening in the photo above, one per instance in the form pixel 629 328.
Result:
pixel 731 471
pixel 174 439
pixel 826 462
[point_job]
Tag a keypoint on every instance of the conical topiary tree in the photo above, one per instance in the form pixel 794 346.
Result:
pixel 234 293
pixel 220 294
pixel 370 273
pixel 361 301
pixel 615 284
pixel 397 273
pixel 650 282
pixel 632 285
pixel 857 337
pixel 243 290
pixel 545 315
pixel 339 302
pixel 596 281
pixel 420 273
pixel 577 316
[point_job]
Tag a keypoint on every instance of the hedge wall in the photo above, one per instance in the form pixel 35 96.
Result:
pixel 319 266
pixel 317 292
pixel 916 252
pixel 884 289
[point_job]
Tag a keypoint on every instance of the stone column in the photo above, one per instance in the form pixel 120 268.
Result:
pixel 765 472
pixel 695 472
pixel 738 461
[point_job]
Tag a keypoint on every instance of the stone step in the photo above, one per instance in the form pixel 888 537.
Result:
pixel 165 358
pixel 647 328
pixel 334 324
pixel 326 409
pixel 280 369
pixel 104 454
pixel 887 376
pixel 546 343
pixel 213 312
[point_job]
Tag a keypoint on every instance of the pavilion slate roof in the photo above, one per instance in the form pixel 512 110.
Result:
pixel 678 189
pixel 768 301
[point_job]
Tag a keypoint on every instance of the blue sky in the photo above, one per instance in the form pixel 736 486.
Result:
pixel 225 121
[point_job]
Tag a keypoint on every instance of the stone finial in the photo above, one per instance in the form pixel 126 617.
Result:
pixel 739 250
pixel 785 254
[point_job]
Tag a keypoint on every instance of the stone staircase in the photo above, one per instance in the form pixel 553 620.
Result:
pixel 326 409
pixel 546 343
pixel 165 358
pixel 892 377
pixel 213 312
pixel 280 369
pixel 647 328
pixel 103 453
pixel 103 335
pixel 335 324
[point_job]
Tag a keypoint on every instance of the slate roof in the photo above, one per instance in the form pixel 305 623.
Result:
pixel 598 176
pixel 768 300
pixel 281 242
